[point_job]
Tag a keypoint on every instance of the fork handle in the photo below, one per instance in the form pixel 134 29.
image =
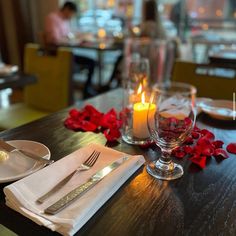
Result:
pixel 56 188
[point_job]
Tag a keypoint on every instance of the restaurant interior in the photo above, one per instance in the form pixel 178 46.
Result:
pixel 117 117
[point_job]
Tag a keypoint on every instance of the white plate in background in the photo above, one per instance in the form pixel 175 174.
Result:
pixel 219 109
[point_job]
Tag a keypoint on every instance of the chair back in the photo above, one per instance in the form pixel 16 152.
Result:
pixel 52 91
pixel 210 81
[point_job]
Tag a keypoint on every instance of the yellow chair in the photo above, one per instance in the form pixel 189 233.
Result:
pixel 50 93
pixel 210 81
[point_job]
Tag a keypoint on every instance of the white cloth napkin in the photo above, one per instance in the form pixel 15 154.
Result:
pixel 21 195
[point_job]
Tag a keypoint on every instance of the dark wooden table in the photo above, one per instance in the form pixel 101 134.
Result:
pixel 202 202
pixel 16 80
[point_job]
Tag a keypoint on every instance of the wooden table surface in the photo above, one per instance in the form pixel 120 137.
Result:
pixel 16 80
pixel 202 202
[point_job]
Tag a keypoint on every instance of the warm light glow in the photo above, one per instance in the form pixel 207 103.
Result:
pixel 136 30
pixel 235 14
pixel 102 33
pixel 102 45
pixel 205 26
pixel 140 88
pixel 219 13
pixel 201 10
pixel 143 97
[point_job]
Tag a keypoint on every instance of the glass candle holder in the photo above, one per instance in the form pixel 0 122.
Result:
pixel 135 105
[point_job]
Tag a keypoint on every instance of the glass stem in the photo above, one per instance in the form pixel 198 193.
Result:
pixel 165 157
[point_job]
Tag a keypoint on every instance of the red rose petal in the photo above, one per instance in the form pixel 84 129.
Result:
pixel 196 129
pixel 148 144
pixel 195 135
pixel 189 140
pixel 178 152
pixel 187 149
pixel 218 144
pixel 219 152
pixel 112 134
pixel 203 141
pixel 207 134
pixel 207 151
pixel 231 148
pixel 199 161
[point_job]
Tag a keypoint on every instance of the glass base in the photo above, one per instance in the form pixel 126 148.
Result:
pixel 134 141
pixel 165 171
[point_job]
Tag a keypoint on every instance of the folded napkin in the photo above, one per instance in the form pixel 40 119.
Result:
pixel 22 195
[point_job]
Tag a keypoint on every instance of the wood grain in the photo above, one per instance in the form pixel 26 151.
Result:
pixel 202 202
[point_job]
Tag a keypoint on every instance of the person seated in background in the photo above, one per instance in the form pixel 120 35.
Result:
pixel 56 33
pixel 151 25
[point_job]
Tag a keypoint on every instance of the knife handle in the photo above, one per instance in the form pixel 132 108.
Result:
pixel 70 197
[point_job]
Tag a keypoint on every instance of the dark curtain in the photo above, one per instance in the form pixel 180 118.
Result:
pixel 15 15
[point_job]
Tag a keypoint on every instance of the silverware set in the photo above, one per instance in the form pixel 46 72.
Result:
pixel 90 161
pixel 77 191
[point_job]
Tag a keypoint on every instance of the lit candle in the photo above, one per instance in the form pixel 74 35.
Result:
pixel 140 128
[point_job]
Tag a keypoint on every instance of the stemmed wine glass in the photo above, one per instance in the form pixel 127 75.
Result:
pixel 170 124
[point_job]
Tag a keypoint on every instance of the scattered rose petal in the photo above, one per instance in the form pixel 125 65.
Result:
pixel 148 144
pixel 178 152
pixel 231 148
pixel 90 119
pixel 219 152
pixel 208 151
pixel 189 140
pixel 218 144
pixel 187 149
pixel 195 135
pixel 199 161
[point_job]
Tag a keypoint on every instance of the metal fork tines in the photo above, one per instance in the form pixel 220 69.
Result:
pixel 89 162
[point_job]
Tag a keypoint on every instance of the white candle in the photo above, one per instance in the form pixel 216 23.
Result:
pixel 140 128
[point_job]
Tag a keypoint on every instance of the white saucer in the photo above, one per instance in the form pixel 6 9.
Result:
pixel 18 166
pixel 219 109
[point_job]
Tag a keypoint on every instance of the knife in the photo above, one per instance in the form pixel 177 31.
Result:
pixel 9 148
pixel 78 191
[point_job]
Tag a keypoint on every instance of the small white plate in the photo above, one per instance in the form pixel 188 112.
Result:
pixel 219 109
pixel 17 166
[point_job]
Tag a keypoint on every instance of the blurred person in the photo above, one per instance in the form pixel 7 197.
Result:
pixel 151 25
pixel 57 31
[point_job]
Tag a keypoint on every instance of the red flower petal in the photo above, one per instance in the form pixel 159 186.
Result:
pixel 187 149
pixel 231 148
pixel 148 144
pixel 207 134
pixel 207 151
pixel 189 140
pixel 74 113
pixel 178 152
pixel 87 126
pixel 199 160
pixel 219 152
pixel 218 144
pixel 203 141
pixel 195 135
pixel 112 134
pixel 196 129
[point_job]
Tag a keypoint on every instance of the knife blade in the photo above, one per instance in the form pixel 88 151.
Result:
pixel 9 148
pixel 78 191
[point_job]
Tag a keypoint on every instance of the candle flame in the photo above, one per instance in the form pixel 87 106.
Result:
pixel 143 97
pixel 140 88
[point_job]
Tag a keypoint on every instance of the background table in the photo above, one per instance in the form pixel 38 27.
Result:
pixel 202 202
pixel 16 80
pixel 100 48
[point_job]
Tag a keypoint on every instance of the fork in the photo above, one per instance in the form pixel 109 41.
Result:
pixel 90 161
